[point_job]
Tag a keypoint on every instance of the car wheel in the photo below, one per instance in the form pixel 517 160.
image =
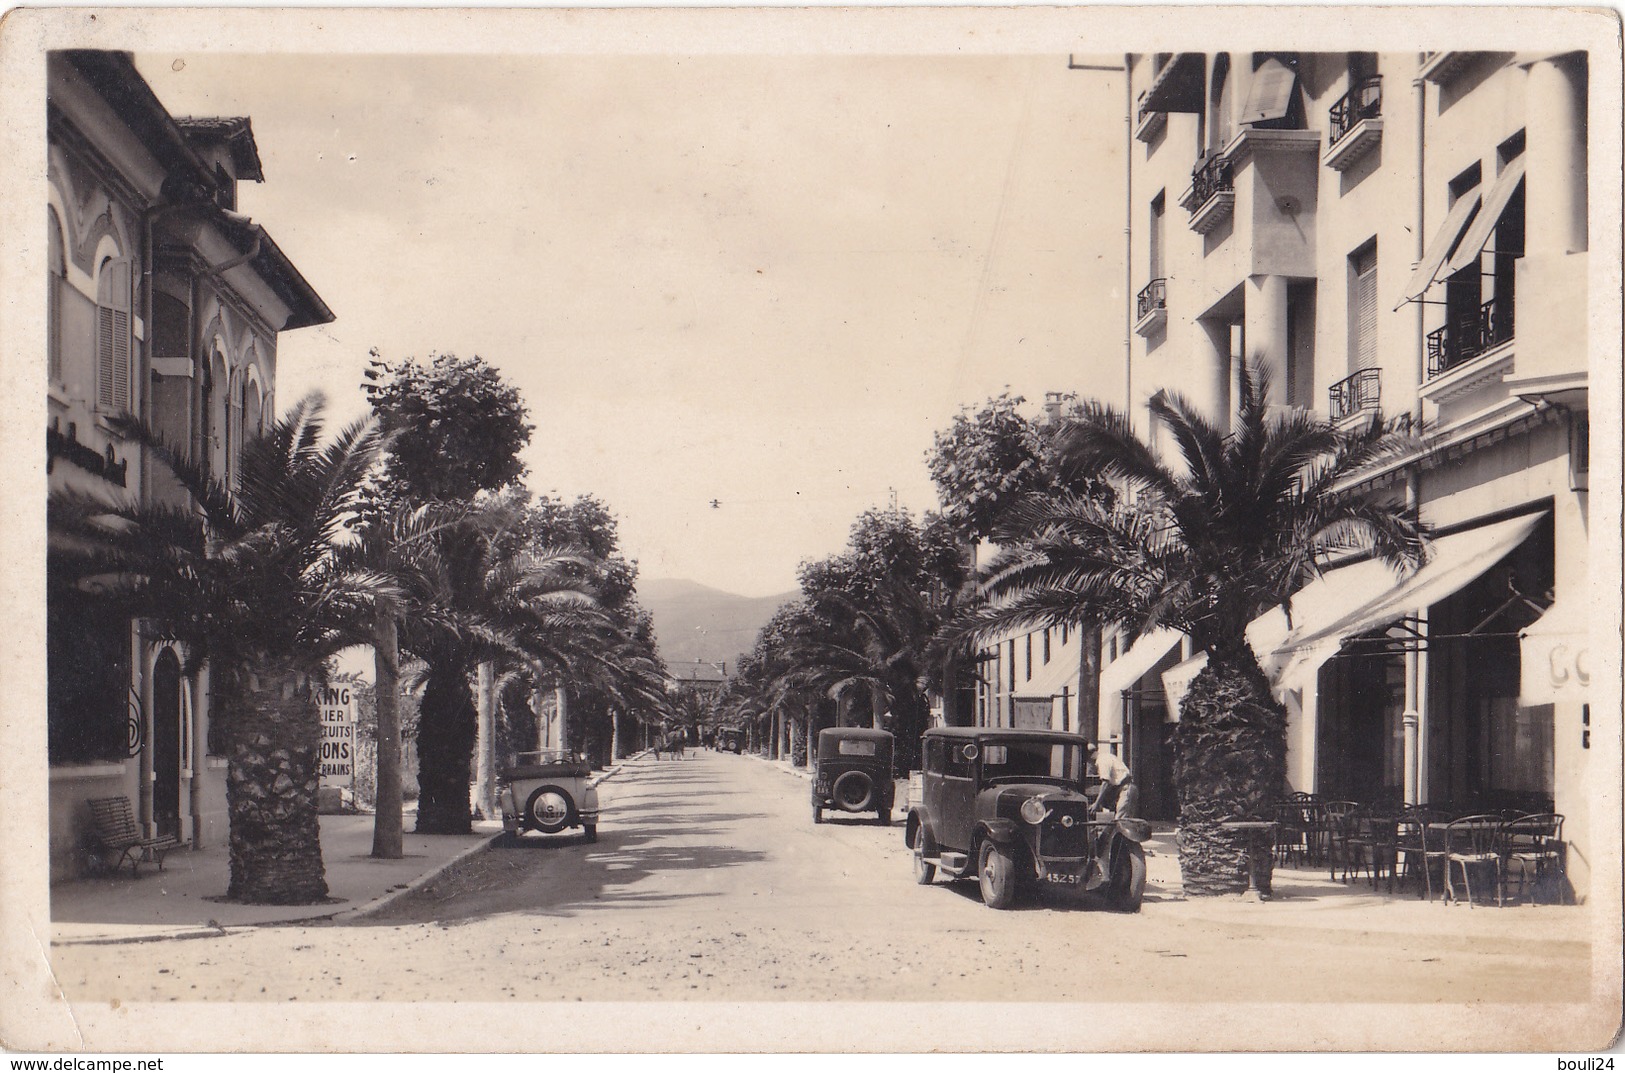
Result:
pixel 854 791
pixel 591 831
pixel 1128 879
pixel 996 869
pixel 924 870
pixel 818 814
pixel 550 809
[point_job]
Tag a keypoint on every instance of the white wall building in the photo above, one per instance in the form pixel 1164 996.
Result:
pixel 1393 234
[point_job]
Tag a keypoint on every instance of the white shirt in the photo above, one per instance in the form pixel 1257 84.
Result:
pixel 1109 767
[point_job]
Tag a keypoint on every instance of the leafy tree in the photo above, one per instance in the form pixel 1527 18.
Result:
pixel 457 428
pixel 1253 513
pixel 248 577
pixel 987 460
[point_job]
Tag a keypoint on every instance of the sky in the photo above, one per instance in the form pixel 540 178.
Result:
pixel 760 280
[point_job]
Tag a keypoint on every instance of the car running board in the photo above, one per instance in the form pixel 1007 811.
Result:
pixel 953 862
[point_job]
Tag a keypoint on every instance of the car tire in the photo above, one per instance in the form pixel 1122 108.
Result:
pixel 1127 888
pixel 818 814
pixel 542 809
pixel 854 791
pixel 996 872
pixel 924 871
pixel 591 831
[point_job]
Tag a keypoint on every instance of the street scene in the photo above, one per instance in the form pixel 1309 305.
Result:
pixel 822 519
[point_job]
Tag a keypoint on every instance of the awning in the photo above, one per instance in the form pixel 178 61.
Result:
pixel 1048 679
pixel 1444 242
pixel 1270 97
pixel 1132 665
pixel 1177 679
pixel 1495 203
pixel 1456 561
pixel 1555 651
pixel 1178 86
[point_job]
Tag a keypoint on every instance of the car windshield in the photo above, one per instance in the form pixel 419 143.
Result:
pixel 856 748
pixel 1033 759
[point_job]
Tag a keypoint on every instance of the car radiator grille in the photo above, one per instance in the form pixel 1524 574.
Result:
pixel 1057 840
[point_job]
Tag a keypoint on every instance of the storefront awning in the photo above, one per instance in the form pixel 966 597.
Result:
pixel 1270 97
pixel 1049 678
pixel 1555 651
pixel 1444 242
pixel 1132 665
pixel 1456 561
pixel 1495 203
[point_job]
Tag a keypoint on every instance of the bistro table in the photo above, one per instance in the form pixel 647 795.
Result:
pixel 1259 850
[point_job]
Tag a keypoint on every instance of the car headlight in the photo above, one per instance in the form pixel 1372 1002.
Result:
pixel 1033 810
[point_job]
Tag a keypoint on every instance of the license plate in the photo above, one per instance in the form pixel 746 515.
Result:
pixel 1061 877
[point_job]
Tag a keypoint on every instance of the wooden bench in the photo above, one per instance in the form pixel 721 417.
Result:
pixel 115 836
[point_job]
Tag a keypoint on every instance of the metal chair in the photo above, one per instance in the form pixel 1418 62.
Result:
pixel 1473 841
pixel 1411 841
pixel 1330 832
pixel 1371 842
pixel 1535 842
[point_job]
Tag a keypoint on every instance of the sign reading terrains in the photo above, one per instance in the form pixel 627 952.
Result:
pixel 337 706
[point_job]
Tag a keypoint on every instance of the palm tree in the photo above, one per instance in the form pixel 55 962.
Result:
pixel 1254 513
pixel 247 577
pixel 470 595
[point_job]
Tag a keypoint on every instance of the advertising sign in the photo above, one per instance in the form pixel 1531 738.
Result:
pixel 337 705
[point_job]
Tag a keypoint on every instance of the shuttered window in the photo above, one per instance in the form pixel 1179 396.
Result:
pixel 1363 309
pixel 53 310
pixel 113 336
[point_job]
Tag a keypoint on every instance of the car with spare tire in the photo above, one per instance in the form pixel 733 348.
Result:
pixel 1015 810
pixel 852 773
pixel 547 791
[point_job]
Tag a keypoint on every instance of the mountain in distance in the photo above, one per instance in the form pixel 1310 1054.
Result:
pixel 696 622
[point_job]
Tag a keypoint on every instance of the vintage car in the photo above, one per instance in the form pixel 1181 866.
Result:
pixel 729 738
pixel 1014 809
pixel 852 773
pixel 547 792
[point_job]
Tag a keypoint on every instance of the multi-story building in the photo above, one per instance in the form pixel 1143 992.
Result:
pixel 1392 235
pixel 164 302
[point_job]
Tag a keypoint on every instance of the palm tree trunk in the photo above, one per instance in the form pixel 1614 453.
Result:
pixel 386 820
pixel 877 707
pixel 1089 683
pixel 271 780
pixel 486 742
pixel 561 700
pixel 1229 764
pixel 445 751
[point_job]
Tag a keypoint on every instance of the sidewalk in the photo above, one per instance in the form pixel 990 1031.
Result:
pixel 184 900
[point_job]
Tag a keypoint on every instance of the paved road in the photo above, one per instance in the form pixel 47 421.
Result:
pixel 709 881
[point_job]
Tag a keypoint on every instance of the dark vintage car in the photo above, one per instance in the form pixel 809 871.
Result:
pixel 852 773
pixel 548 792
pixel 1012 808
pixel 729 739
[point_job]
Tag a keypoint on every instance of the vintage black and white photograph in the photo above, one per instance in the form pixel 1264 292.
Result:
pixel 812 530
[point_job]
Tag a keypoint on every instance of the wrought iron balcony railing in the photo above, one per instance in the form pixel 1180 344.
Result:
pixel 1364 101
pixel 1211 178
pixel 1152 296
pixel 1357 393
pixel 1467 337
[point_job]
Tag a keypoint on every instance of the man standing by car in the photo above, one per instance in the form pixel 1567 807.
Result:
pixel 1118 791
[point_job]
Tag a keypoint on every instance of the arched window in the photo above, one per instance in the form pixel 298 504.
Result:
pixel 113 335
pixel 215 384
pixel 252 405
pixel 58 274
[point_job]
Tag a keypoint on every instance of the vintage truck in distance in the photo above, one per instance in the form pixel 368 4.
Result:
pixel 1012 807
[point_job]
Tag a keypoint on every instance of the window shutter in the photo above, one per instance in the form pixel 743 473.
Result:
pixel 1365 311
pixel 113 342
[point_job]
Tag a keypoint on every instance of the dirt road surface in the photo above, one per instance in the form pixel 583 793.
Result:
pixel 710 882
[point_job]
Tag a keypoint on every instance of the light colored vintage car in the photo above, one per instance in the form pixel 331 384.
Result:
pixel 547 791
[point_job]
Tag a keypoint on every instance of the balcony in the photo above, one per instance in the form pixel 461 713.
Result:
pixel 1212 194
pixel 1151 120
pixel 1151 307
pixel 1455 345
pixel 1356 124
pixel 1357 394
